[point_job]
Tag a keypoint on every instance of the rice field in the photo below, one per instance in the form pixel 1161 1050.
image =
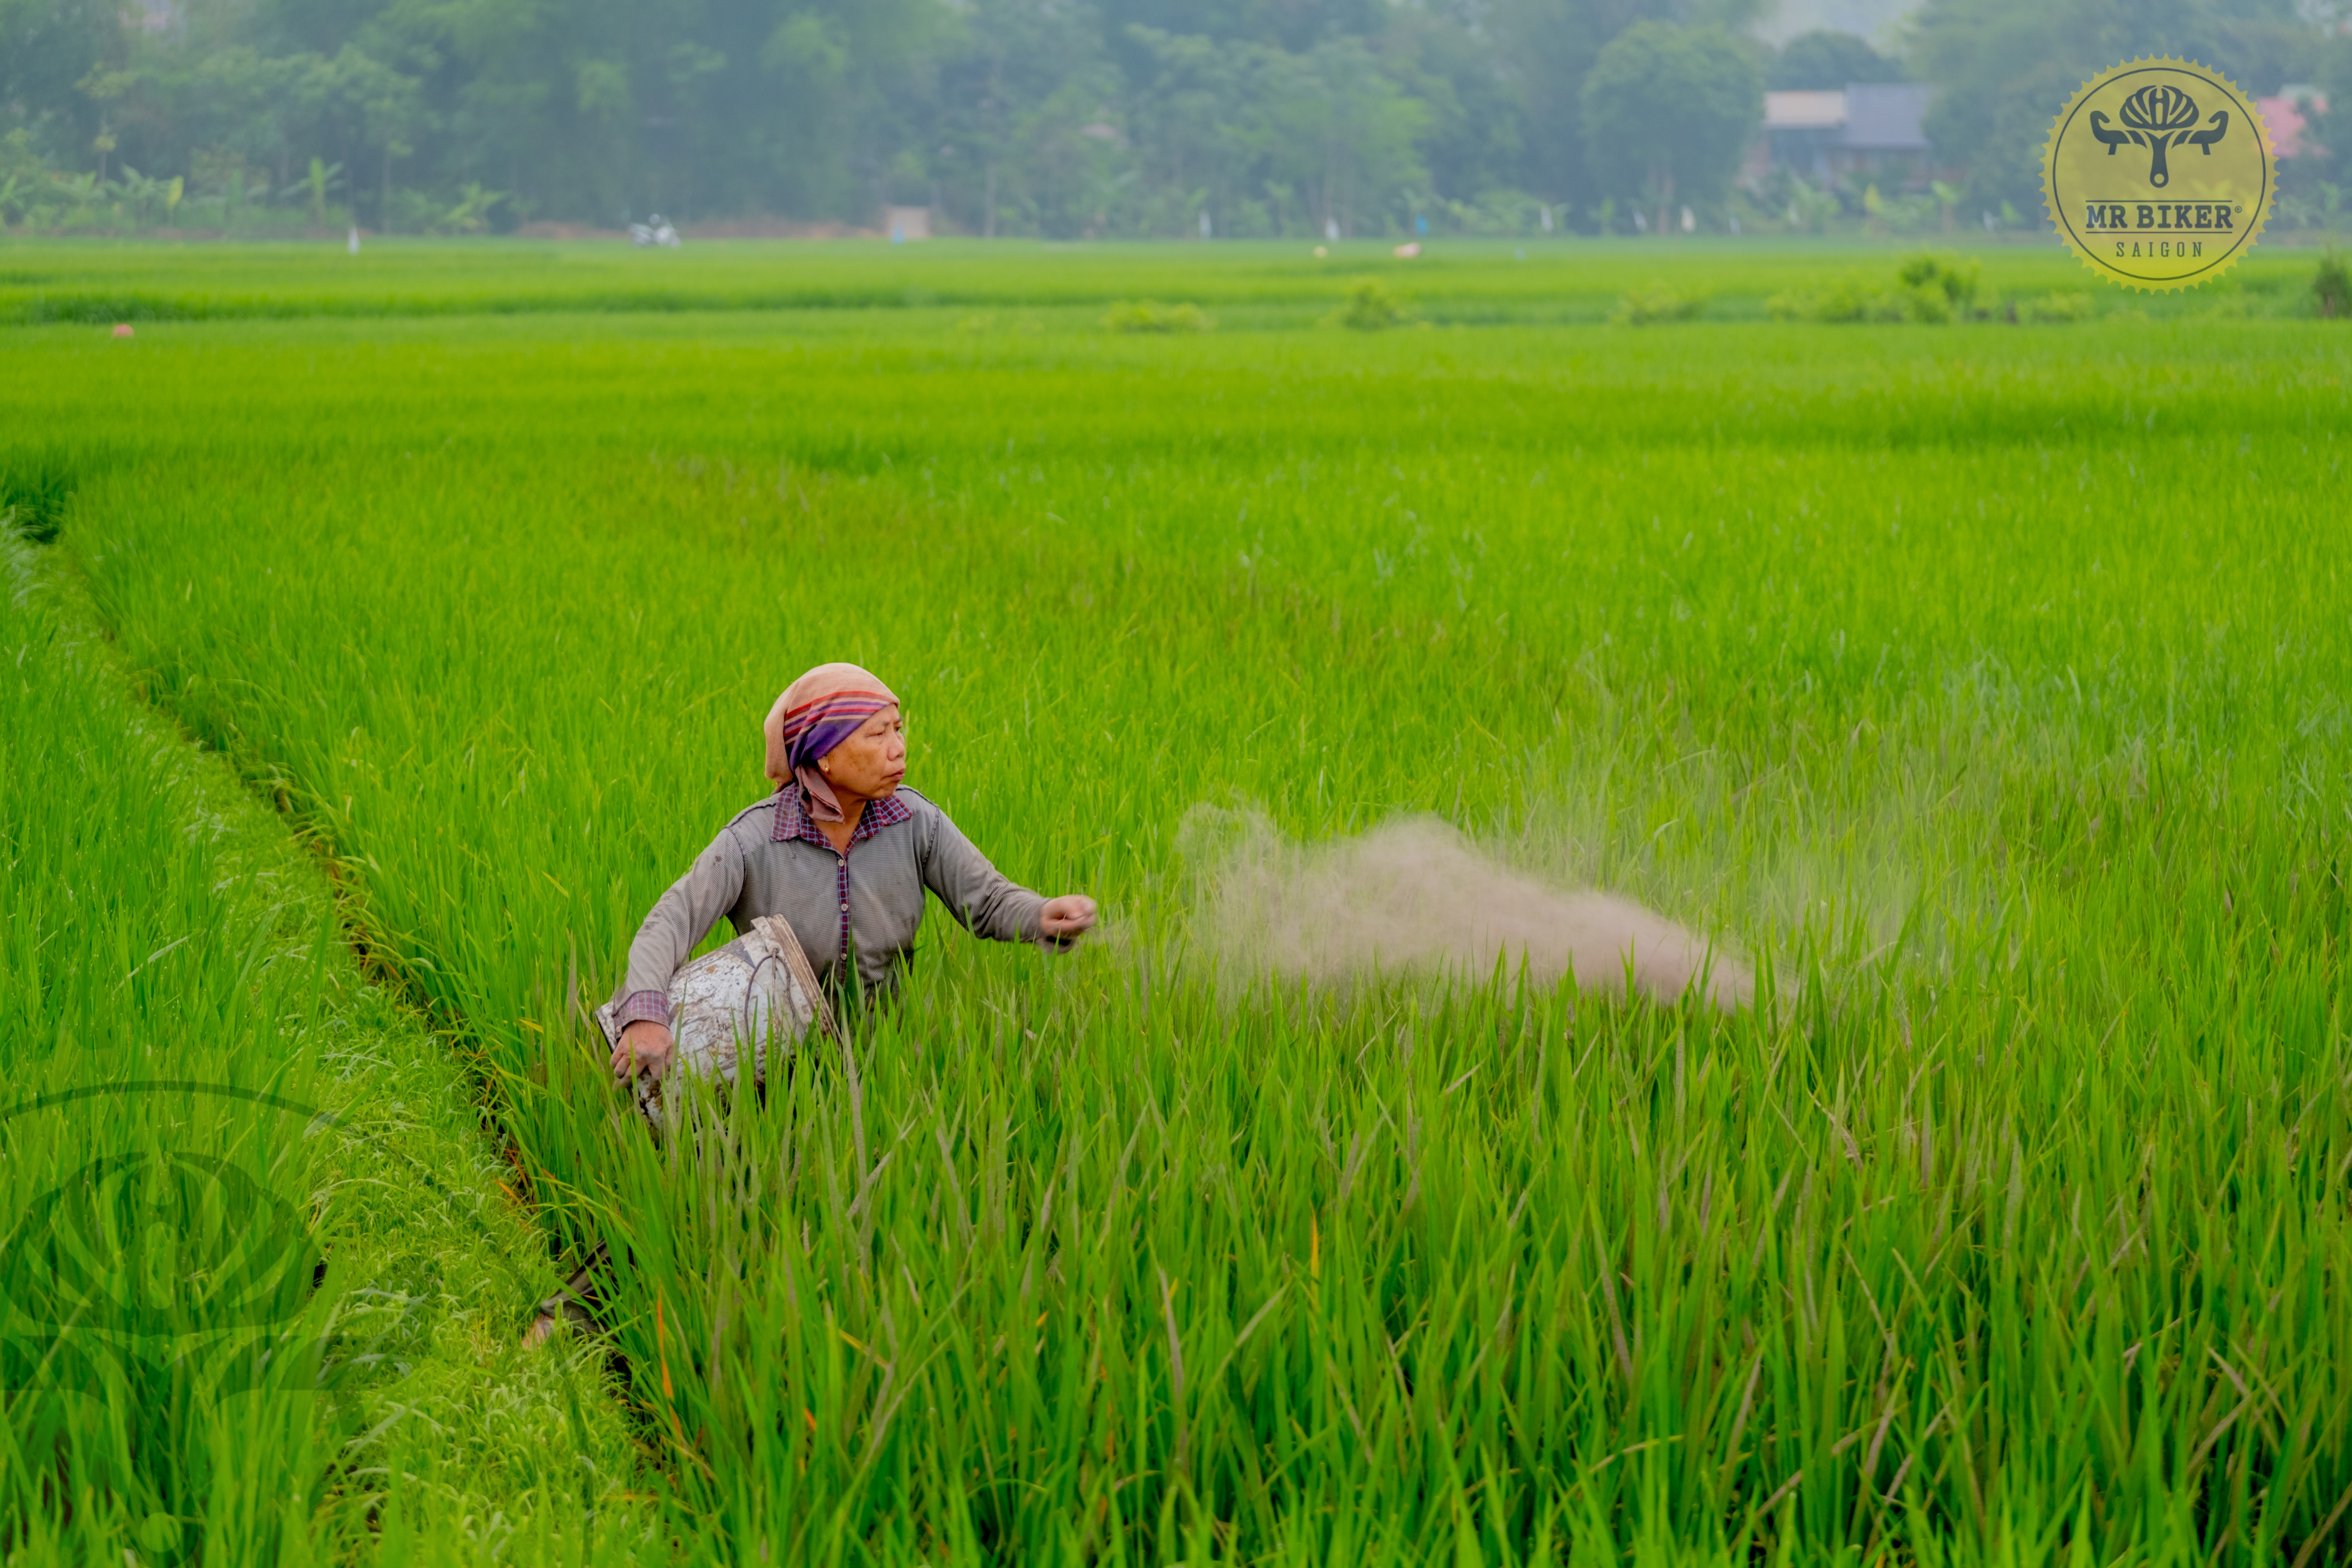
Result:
pixel 1983 685
pixel 1017 285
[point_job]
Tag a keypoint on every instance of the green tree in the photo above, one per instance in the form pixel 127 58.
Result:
pixel 379 110
pixel 1038 116
pixel 1017 95
pixel 47 46
pixel 2006 67
pixel 1273 139
pixel 1443 55
pixel 1545 49
pixel 2333 78
pixel 1668 110
pixel 1334 127
pixel 1178 119
pixel 1824 60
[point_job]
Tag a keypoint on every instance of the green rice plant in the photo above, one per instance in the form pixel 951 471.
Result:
pixel 1245 284
pixel 34 487
pixel 1150 316
pixel 2055 308
pixel 1845 302
pixel 1370 306
pixel 1929 290
pixel 1955 279
pixel 1657 302
pixel 1940 677
pixel 2331 287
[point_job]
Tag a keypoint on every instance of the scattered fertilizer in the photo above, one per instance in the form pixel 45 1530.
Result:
pixel 1414 894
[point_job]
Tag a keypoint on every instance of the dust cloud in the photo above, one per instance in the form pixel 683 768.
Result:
pixel 1415 895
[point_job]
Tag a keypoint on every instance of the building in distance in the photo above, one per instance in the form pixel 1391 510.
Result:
pixel 1871 128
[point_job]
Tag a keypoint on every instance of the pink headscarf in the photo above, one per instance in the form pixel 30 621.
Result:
pixel 816 713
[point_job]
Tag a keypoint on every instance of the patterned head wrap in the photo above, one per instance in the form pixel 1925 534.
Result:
pixel 816 713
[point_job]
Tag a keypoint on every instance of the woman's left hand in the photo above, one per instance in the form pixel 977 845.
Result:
pixel 1065 917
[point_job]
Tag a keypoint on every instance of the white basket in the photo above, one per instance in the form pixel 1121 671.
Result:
pixel 757 992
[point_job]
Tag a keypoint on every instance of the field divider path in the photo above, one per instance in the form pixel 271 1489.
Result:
pixel 488 1451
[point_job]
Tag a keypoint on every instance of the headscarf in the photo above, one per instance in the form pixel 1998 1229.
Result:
pixel 816 713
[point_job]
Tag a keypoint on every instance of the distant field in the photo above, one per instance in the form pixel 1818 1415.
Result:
pixel 1260 283
pixel 1985 684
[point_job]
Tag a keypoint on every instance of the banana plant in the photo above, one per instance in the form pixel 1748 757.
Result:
pixel 1947 197
pixel 144 195
pixel 83 193
pixel 472 213
pixel 323 178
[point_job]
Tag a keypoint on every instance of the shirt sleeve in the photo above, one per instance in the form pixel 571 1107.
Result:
pixel 983 900
pixel 680 920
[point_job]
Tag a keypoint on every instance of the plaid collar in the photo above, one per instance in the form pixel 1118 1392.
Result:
pixel 794 821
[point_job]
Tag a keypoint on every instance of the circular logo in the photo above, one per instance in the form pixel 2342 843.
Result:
pixel 160 1246
pixel 2159 174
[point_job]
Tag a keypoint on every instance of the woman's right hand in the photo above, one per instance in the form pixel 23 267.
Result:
pixel 645 1045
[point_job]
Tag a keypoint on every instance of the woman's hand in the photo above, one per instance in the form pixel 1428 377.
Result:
pixel 644 1046
pixel 1066 918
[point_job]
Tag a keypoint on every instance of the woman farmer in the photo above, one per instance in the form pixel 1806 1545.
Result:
pixel 842 852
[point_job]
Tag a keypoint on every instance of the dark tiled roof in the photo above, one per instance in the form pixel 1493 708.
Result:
pixel 1885 118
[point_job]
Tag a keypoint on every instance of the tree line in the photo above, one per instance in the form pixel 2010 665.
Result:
pixel 1059 117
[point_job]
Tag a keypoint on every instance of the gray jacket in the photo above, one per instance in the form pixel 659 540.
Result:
pixel 869 900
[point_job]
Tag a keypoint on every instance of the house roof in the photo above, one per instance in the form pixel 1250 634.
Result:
pixel 1867 117
pixel 2283 120
pixel 1886 117
pixel 1804 111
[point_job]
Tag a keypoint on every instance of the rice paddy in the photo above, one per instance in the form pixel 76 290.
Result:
pixel 1982 685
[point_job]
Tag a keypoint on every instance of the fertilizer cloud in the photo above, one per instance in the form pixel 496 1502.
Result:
pixel 1414 895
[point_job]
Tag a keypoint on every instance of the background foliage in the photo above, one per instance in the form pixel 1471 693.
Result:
pixel 1063 118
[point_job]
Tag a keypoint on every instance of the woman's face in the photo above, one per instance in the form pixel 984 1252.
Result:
pixel 871 763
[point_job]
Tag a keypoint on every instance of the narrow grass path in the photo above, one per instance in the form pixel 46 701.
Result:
pixel 176 998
